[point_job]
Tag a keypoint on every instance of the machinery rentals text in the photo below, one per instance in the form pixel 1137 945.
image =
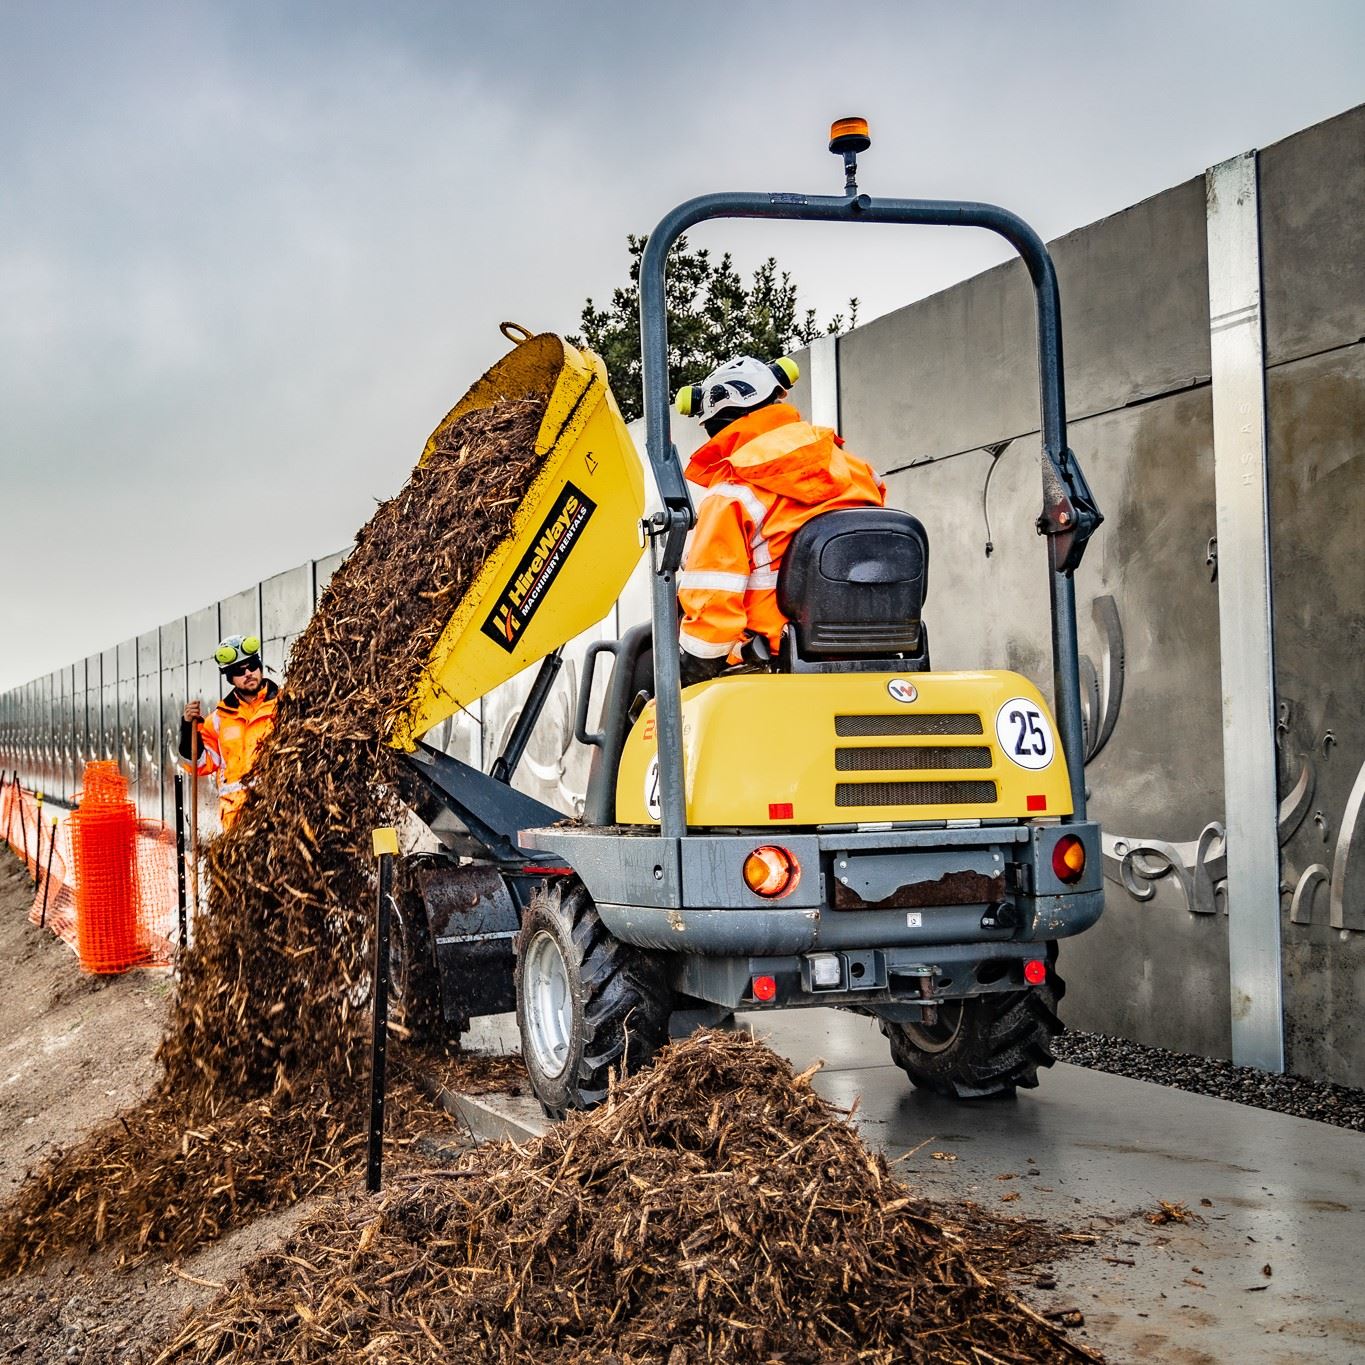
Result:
pixel 838 825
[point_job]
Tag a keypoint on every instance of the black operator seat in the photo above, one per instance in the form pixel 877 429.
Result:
pixel 852 586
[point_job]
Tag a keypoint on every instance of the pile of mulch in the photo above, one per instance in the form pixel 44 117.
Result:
pixel 472 1073
pixel 714 1209
pixel 262 1094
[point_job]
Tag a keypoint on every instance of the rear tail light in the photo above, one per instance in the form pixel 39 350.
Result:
pixel 1068 859
pixel 765 988
pixel 771 872
pixel 1035 972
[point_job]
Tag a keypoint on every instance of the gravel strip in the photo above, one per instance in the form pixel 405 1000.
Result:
pixel 1305 1099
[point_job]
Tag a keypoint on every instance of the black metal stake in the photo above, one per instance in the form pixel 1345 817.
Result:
pixel 37 841
pixel 180 856
pixel 47 877
pixel 385 848
pixel 14 796
pixel 23 824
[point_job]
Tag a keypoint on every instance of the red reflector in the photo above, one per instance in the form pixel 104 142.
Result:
pixel 1037 803
pixel 1035 972
pixel 765 987
pixel 779 810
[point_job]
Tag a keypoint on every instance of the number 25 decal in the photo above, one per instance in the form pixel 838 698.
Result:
pixel 652 803
pixel 1023 733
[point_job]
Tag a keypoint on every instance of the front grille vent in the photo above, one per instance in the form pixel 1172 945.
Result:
pixel 906 723
pixel 886 758
pixel 914 793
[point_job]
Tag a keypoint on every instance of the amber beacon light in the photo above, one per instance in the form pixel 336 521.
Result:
pixel 849 135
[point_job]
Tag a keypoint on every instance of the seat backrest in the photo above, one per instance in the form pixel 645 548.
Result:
pixel 852 584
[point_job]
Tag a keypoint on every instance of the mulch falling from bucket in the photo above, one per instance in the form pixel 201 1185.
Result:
pixel 715 1209
pixel 262 1095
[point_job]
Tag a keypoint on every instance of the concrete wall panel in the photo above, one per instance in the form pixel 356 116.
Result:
pixel 240 614
pixel 149 745
pixel 127 750
pixel 109 735
pixel 958 370
pixel 323 569
pixel 46 738
pixel 171 705
pixel 94 709
pixel 203 630
pixel 286 605
pixel 1317 471
pixel 1312 208
pixel 65 725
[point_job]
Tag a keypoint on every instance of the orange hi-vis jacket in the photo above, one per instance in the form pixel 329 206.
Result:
pixel 229 739
pixel 767 474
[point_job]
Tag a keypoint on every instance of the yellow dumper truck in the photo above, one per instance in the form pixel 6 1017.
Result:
pixel 839 825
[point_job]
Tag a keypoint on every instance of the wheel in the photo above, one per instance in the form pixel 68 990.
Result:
pixel 586 1002
pixel 983 1046
pixel 414 985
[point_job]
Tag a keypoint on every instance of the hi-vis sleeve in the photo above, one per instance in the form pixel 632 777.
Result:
pixel 712 584
pixel 210 755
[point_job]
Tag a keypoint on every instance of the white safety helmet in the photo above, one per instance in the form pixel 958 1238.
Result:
pixel 736 387
pixel 237 650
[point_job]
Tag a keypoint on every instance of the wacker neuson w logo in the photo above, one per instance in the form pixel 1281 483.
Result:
pixel 539 567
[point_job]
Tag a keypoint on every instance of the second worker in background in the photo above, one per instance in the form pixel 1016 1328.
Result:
pixel 229 738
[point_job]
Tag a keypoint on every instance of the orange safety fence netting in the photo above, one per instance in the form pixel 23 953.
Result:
pixel 104 880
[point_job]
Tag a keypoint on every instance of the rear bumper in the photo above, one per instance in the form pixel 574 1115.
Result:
pixel 688 895
pixel 742 931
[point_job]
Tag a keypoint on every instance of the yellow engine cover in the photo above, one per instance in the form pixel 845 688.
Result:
pixel 854 748
pixel 574 540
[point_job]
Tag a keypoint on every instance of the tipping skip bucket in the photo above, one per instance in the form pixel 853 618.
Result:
pixel 574 538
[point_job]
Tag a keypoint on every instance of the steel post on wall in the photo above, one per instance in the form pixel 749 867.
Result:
pixel 1246 641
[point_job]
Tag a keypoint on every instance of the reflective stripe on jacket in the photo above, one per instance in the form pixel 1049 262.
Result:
pixel 766 475
pixel 229 739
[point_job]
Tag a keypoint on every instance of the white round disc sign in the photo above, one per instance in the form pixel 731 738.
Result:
pixel 652 802
pixel 902 689
pixel 1024 733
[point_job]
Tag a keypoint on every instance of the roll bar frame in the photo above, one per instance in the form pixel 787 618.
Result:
pixel 1069 517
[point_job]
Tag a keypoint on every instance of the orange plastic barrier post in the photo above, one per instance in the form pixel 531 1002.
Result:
pixel 104 851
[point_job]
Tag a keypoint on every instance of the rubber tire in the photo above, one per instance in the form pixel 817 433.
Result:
pixel 414 983
pixel 1003 1039
pixel 619 1000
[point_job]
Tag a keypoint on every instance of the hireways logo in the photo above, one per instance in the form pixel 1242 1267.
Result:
pixel 538 568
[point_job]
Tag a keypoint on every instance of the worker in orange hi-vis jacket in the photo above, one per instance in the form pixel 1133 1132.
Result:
pixel 229 738
pixel 767 472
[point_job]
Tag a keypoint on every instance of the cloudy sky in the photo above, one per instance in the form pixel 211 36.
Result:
pixel 250 252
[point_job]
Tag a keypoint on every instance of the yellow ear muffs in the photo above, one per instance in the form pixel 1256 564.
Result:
pixel 224 655
pixel 689 400
pixel 786 371
pixel 251 644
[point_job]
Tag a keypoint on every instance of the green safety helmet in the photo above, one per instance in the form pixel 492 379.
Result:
pixel 238 651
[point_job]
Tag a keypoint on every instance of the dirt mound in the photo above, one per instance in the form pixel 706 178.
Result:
pixel 261 1095
pixel 714 1209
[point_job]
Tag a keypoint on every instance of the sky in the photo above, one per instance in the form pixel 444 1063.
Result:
pixel 250 252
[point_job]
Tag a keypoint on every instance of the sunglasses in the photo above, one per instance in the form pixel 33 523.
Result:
pixel 238 670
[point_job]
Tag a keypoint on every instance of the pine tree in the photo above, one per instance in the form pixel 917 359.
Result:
pixel 712 317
